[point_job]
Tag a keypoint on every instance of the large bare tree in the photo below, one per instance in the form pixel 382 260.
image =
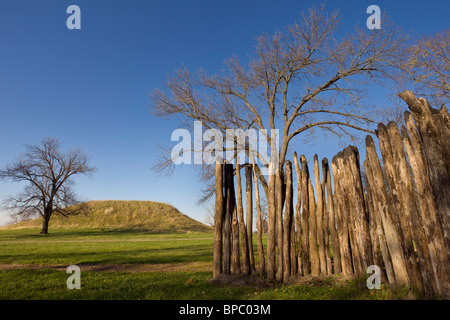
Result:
pixel 300 80
pixel 48 173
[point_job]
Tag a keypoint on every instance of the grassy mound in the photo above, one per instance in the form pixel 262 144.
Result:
pixel 140 215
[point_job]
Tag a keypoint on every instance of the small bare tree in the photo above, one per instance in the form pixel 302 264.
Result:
pixel 48 174
pixel 299 80
pixel 427 65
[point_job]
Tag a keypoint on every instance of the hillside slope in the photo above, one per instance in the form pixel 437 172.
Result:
pixel 115 214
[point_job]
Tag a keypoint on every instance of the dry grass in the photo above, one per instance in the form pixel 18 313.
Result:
pixel 139 215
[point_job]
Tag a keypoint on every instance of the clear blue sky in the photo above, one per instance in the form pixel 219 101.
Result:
pixel 90 87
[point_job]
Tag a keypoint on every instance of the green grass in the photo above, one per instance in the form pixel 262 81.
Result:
pixel 45 257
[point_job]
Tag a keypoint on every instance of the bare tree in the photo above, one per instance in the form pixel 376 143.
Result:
pixel 299 80
pixel 427 65
pixel 209 216
pixel 48 174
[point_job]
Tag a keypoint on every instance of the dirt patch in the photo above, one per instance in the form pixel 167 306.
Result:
pixel 234 280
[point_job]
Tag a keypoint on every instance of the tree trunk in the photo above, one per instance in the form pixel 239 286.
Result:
pixel 46 219
pixel 218 221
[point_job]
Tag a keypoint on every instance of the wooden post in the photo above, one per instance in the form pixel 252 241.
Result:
pixel 437 165
pixel 319 217
pixel 376 252
pixel 305 217
pixel 411 212
pixel 228 214
pixel 403 219
pixel 271 224
pixel 218 221
pixel 428 211
pixel 259 221
pixel 314 253
pixel 326 218
pixel 361 219
pixel 379 227
pixel 332 220
pixel 241 225
pixel 287 224
pixel 293 245
pixel 298 216
pixel 249 217
pixel 441 120
pixel 350 211
pixel 279 209
pixel 383 203
pixel 341 217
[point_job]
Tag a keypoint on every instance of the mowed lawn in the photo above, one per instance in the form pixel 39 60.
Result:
pixel 139 265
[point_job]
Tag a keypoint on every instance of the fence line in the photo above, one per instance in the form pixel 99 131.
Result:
pixel 397 217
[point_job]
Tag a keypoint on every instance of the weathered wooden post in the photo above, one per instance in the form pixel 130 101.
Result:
pixel 379 227
pixel 398 196
pixel 249 216
pixel 350 208
pixel 383 203
pixel 314 253
pixel 241 227
pixel 341 216
pixel 319 217
pixel 279 211
pixel 298 216
pixel 361 220
pixel 428 212
pixel 227 217
pixel 287 224
pixel 218 221
pixel 305 254
pixel 331 220
pixel 260 227
pixel 411 211
pixel 438 161
pixel 326 217
pixel 271 224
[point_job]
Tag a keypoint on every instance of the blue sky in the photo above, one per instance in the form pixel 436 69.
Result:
pixel 90 87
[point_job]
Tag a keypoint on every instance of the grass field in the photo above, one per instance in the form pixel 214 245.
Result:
pixel 140 265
